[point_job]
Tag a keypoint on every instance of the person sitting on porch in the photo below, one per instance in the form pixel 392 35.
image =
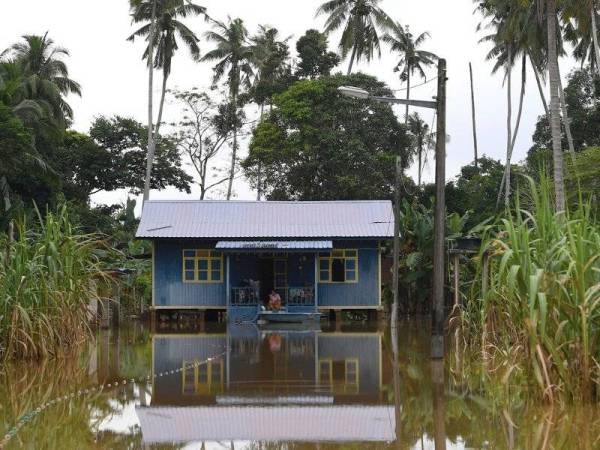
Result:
pixel 274 301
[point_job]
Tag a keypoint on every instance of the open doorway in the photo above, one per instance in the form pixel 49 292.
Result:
pixel 273 276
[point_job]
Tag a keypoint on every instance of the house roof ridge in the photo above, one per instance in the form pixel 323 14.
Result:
pixel 266 201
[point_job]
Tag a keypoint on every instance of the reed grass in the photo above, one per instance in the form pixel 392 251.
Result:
pixel 46 284
pixel 540 318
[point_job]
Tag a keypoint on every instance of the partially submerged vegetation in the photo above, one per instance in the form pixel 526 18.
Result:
pixel 539 321
pixel 47 281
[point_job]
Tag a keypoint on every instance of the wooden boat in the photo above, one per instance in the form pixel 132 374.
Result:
pixel 288 317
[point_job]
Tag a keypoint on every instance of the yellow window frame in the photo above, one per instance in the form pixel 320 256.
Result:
pixel 213 371
pixel 345 255
pixel 202 255
pixel 325 373
pixel 351 379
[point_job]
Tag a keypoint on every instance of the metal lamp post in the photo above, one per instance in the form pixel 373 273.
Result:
pixel 437 332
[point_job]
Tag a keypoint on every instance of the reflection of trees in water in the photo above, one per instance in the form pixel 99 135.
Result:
pixel 75 423
pixel 477 409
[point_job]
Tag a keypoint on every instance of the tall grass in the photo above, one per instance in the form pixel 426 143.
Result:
pixel 540 318
pixel 46 283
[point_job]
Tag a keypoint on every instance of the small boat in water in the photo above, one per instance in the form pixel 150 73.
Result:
pixel 288 317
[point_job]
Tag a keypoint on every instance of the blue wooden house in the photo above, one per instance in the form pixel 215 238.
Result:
pixel 305 387
pixel 228 255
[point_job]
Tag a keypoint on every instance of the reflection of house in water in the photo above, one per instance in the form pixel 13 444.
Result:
pixel 296 386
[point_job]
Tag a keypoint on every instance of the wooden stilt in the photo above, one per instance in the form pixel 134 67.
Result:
pixel 456 279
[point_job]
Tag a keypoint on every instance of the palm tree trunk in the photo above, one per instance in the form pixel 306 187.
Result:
pixel 420 164
pixel 595 37
pixel 508 131
pixel 520 110
pixel 235 143
pixel 259 174
pixel 162 102
pixel 557 153
pixel 473 116
pixel 352 56
pixel 151 145
pixel 565 114
pixel 517 125
pixel 407 94
pixel 539 85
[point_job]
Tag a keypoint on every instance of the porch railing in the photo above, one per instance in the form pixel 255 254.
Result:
pixel 300 296
pixel 290 296
pixel 245 296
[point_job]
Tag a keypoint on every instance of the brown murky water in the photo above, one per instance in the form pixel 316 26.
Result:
pixel 246 388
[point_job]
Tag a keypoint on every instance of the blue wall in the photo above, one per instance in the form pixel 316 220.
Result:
pixel 169 289
pixel 363 293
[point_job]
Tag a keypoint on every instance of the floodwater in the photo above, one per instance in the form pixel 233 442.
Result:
pixel 240 387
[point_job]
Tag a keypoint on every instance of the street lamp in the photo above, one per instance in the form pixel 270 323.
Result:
pixel 437 331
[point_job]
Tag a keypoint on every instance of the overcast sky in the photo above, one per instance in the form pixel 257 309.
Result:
pixel 114 79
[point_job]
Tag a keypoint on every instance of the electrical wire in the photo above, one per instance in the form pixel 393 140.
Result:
pixel 415 86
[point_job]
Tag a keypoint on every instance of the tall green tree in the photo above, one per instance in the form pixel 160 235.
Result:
pixel 580 19
pixel 412 58
pixel 234 56
pixel 113 156
pixel 16 152
pixel 271 56
pixel 423 140
pixel 162 26
pixel 362 22
pixel 582 96
pixel 273 71
pixel 45 76
pixel 314 57
pixel 516 33
pixel 320 145
pixel 13 93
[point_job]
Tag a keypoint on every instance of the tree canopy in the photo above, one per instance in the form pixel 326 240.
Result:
pixel 320 145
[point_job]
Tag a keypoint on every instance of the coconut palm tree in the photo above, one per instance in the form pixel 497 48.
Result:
pixel 234 56
pixel 362 21
pixel 412 59
pixel 580 18
pixel 423 139
pixel 271 60
pixel 508 44
pixel 44 74
pixel 162 26
pixel 13 93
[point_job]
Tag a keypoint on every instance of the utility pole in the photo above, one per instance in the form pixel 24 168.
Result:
pixel 439 227
pixel 473 115
pixel 396 265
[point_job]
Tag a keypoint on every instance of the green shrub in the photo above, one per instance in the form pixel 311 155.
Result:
pixel 47 280
pixel 540 317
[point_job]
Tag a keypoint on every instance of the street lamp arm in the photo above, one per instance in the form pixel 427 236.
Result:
pixel 399 101
pixel 351 91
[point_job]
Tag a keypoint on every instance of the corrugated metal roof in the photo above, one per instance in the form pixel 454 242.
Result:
pixel 246 219
pixel 268 423
pixel 274 245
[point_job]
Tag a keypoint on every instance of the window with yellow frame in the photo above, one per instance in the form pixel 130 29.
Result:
pixel 202 266
pixel 339 266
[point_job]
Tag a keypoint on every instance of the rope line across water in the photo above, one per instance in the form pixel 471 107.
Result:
pixel 29 416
